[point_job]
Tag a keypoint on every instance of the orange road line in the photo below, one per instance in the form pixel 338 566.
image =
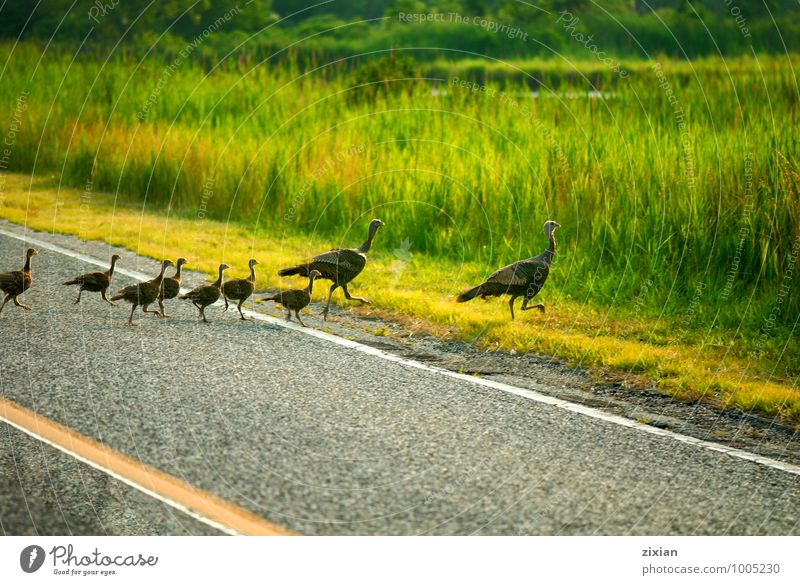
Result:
pixel 198 503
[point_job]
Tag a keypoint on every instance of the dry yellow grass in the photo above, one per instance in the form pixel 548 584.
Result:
pixel 413 292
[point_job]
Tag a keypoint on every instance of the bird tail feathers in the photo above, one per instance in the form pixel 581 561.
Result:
pixel 470 294
pixel 301 269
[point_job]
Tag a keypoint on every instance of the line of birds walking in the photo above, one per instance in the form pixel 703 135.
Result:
pixel 524 278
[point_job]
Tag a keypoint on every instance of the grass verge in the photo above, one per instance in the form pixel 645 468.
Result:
pixel 418 292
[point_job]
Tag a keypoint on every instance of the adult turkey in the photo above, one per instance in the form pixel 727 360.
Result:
pixel 340 266
pixel 524 278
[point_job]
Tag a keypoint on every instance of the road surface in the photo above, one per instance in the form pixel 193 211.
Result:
pixel 321 438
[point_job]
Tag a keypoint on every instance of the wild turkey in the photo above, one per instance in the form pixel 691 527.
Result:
pixel 206 294
pixel 95 281
pixel 297 299
pixel 339 265
pixel 170 286
pixel 524 278
pixel 16 282
pixel 142 293
pixel 240 289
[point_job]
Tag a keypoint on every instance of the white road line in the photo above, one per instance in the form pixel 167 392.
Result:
pixel 522 392
pixel 173 504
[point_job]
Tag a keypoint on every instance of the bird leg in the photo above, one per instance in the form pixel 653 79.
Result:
pixel 144 309
pixel 525 306
pixel 78 300
pixel 8 298
pixel 200 310
pixel 130 319
pixel 224 298
pixel 203 314
pixel 103 296
pixel 349 297
pixel 511 306
pixel 297 314
pixel 162 314
pixel 239 306
pixel 288 314
pixel 20 305
pixel 328 305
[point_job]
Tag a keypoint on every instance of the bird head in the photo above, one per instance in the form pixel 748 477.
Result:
pixel 253 262
pixel 180 262
pixel 375 224
pixel 166 263
pixel 550 226
pixel 314 274
pixel 223 267
pixel 32 252
pixel 116 258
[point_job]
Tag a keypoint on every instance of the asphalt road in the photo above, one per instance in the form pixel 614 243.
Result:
pixel 322 439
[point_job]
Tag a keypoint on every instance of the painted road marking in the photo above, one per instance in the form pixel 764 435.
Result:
pixel 199 504
pixel 522 392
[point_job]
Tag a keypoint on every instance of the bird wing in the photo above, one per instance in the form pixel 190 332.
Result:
pixel 520 273
pixel 10 277
pixel 292 298
pixel 345 259
pixel 96 278
pixel 202 292
pixel 239 286
pixel 131 288
pixel 192 294
pixel 170 287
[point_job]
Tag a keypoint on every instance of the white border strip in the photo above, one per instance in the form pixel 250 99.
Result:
pixel 522 392
pixel 137 486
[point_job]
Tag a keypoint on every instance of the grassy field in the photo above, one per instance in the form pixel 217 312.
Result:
pixel 612 343
pixel 678 192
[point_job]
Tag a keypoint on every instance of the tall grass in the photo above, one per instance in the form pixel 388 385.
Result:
pixel 698 221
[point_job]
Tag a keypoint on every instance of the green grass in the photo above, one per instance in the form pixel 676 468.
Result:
pixel 672 234
pixel 616 344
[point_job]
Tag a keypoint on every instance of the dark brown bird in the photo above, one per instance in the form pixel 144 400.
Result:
pixel 142 293
pixel 339 265
pixel 170 286
pixel 206 294
pixel 95 281
pixel 240 289
pixel 524 278
pixel 16 282
pixel 297 299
